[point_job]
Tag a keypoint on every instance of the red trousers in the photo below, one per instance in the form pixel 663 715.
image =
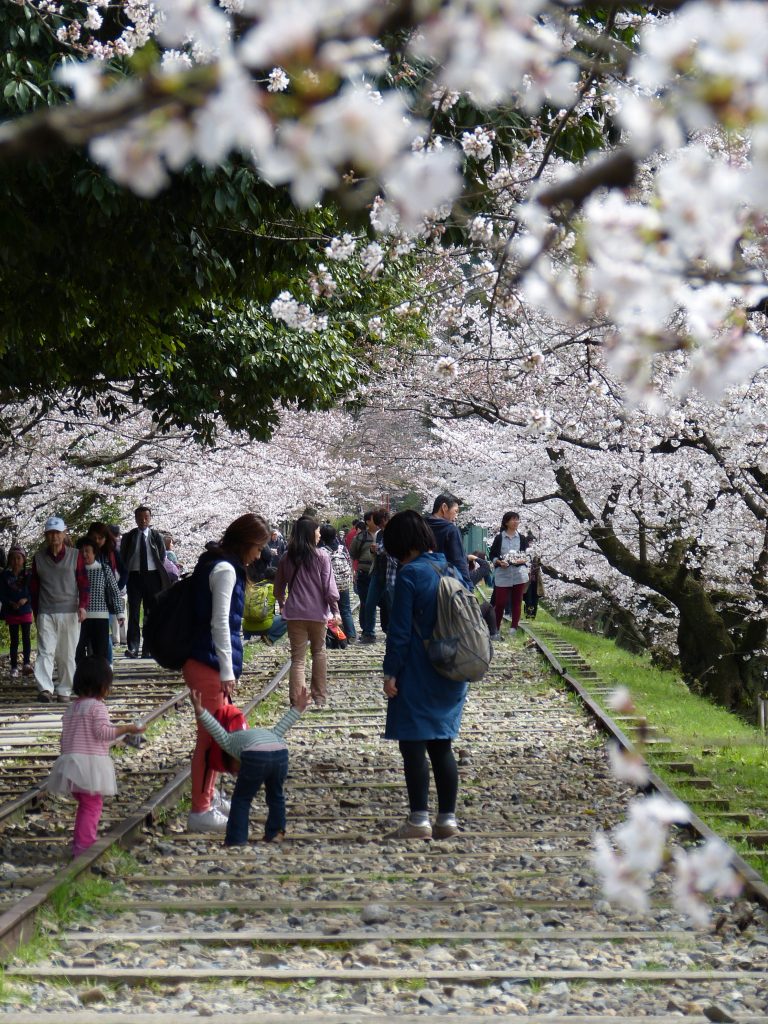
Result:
pixel 207 682
pixel 501 597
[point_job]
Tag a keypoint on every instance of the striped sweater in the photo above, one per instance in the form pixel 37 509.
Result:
pixel 86 728
pixel 249 739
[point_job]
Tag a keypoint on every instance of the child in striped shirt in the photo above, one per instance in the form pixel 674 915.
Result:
pixel 263 758
pixel 84 770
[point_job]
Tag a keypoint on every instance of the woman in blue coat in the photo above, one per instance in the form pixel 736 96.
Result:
pixel 424 709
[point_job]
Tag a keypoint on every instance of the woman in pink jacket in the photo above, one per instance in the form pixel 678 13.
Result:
pixel 312 598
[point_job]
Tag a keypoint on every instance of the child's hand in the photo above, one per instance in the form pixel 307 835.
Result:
pixel 302 700
pixel 197 701
pixel 134 729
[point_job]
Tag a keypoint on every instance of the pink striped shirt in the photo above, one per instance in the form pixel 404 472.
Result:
pixel 86 728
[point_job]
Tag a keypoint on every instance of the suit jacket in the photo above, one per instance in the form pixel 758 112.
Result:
pixel 156 544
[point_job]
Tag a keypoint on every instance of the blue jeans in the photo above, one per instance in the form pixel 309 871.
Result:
pixel 278 628
pixel 345 610
pixel 256 767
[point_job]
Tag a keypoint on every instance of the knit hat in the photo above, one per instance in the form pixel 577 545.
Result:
pixel 17 549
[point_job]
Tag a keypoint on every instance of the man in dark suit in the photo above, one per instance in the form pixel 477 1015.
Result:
pixel 143 553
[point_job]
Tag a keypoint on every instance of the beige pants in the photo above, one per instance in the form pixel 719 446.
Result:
pixel 300 633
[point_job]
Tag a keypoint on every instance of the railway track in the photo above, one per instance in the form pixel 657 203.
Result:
pixel 340 923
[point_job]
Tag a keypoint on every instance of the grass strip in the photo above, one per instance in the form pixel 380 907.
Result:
pixel 722 746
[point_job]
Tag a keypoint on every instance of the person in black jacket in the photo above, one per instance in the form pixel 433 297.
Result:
pixel 442 523
pixel 143 553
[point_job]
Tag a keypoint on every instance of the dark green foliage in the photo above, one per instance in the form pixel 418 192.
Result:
pixel 167 298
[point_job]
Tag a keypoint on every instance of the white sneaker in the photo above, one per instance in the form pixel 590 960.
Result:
pixel 206 821
pixel 221 804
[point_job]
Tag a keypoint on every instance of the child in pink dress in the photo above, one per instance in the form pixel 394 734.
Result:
pixel 85 770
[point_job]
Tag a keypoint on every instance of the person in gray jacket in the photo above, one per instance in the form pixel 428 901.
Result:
pixel 60 594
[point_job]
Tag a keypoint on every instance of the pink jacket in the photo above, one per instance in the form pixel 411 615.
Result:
pixel 86 728
pixel 312 592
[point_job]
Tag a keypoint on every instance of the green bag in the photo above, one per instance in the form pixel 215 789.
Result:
pixel 259 610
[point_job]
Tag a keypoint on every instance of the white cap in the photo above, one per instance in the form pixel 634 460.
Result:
pixel 54 523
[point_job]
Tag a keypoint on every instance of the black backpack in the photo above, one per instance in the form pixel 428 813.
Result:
pixel 169 626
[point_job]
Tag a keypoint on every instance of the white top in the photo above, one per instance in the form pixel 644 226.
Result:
pixel 509 576
pixel 135 565
pixel 222 581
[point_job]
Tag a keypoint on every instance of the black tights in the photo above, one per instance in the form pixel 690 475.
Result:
pixel 417 774
pixel 26 645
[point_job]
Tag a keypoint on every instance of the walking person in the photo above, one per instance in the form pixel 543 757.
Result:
pixel 535 589
pixel 424 708
pixel 107 553
pixel 312 598
pixel 103 599
pixel 363 553
pixel 216 659
pixel 263 758
pixel 85 770
pixel 59 587
pixel 507 555
pixel 16 600
pixel 342 573
pixel 143 554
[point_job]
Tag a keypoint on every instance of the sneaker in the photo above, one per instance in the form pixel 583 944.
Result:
pixel 409 831
pixel 444 831
pixel 279 837
pixel 45 697
pixel 27 670
pixel 367 638
pixel 221 804
pixel 131 653
pixel 206 821
pixel 15 673
pixel 63 698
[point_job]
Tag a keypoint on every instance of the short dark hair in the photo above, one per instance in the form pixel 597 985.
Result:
pixel 405 532
pixel 370 514
pixel 93 678
pixel 381 517
pixel 88 542
pixel 329 535
pixel 507 516
pixel 142 508
pixel 444 499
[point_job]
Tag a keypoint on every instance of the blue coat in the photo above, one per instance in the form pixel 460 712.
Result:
pixel 427 706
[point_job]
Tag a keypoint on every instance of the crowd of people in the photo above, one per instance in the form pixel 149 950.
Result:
pixel 252 583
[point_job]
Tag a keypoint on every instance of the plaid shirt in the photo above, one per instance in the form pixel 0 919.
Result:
pixel 392 566
pixel 83 587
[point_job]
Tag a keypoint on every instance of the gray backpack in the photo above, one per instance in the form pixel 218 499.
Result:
pixel 460 646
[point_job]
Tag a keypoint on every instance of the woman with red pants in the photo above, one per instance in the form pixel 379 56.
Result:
pixel 510 573
pixel 216 659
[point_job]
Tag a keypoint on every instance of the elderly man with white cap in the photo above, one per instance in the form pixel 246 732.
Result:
pixel 59 599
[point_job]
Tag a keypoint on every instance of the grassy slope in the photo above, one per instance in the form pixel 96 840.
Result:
pixel 731 752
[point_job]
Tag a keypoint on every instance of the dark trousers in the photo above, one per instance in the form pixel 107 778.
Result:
pixel 444 769
pixel 26 643
pixel 94 639
pixel 256 767
pixel 143 588
pixel 363 583
pixel 345 611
